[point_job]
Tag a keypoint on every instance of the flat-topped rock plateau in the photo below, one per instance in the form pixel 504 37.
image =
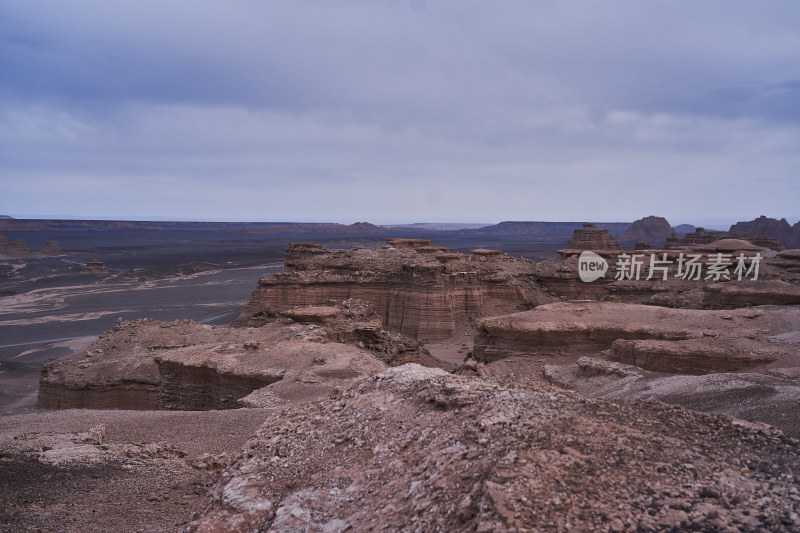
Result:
pixel 418 289
pixel 410 387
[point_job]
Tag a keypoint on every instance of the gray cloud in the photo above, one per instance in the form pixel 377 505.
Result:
pixel 401 110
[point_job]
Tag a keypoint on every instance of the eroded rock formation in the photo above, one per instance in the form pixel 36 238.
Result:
pixel 702 236
pixel 650 229
pixel 667 340
pixel 148 364
pixel 19 248
pixel 418 289
pixel 779 230
pixel 590 237
pixel 95 266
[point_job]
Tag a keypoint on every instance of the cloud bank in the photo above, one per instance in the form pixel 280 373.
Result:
pixel 393 111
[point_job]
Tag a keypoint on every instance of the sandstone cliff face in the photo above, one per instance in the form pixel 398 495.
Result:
pixel 148 364
pixel 590 237
pixel 661 339
pixel 117 371
pixel 653 230
pixel 418 449
pixel 418 289
pixel 779 230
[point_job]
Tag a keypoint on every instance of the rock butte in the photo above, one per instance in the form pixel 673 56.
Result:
pixel 19 249
pixel 649 229
pixel 418 289
pixel 590 237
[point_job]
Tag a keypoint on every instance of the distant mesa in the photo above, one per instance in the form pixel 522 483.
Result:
pixel 702 236
pixel 19 248
pixel 590 237
pixel 779 230
pixel 95 266
pixel 683 229
pixel 51 248
pixel 648 229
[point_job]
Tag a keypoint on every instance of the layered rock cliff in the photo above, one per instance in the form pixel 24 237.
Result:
pixel 702 236
pixel 590 237
pixel 779 230
pixel 418 289
pixel 148 364
pixel 666 340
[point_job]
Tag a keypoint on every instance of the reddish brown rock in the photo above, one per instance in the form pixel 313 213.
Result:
pixel 779 230
pixel 420 294
pixel 749 292
pixel 668 340
pixel 95 266
pixel 418 449
pixel 147 364
pixel 590 237
pixel 648 229
pixel 51 248
pixel 702 236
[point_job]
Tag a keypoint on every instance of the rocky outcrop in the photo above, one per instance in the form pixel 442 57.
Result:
pixel 417 289
pixel 95 266
pixel 766 398
pixel 683 229
pixel 779 230
pixel 667 340
pixel 19 248
pixel 117 371
pixel 702 236
pixel 148 364
pixel 648 229
pixel 51 248
pixel 758 292
pixel 590 237
pixel 416 448
pixel 226 376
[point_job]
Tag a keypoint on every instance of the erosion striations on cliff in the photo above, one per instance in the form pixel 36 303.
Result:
pixel 418 289
pixel 149 364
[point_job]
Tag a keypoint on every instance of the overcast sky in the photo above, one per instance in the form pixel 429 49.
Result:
pixel 400 110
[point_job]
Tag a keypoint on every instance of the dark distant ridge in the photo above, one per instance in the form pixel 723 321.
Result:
pixel 254 227
pixel 779 230
pixel 535 228
pixel 541 228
